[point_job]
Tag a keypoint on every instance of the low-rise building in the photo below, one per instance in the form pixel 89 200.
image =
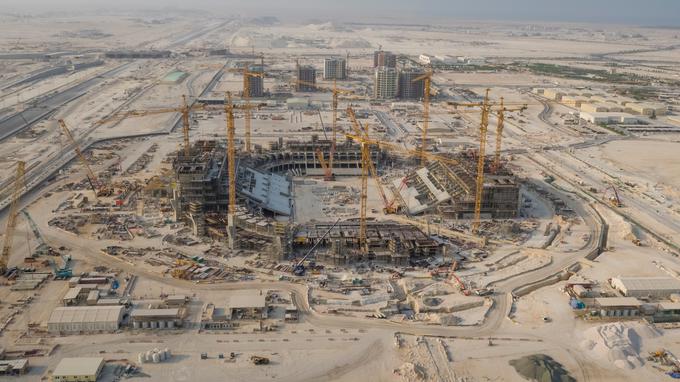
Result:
pixel 618 306
pixel 80 369
pixel 85 319
pixel 156 318
pixel 667 312
pixel 651 287
pixel 247 305
pixel 13 366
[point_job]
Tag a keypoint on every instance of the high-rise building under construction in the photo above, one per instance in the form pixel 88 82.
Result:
pixel 335 68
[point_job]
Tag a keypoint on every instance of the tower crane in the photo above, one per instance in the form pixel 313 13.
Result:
pixel 427 78
pixel 185 109
pixel 365 141
pixel 247 75
pixel 12 217
pixel 485 106
pixel 388 207
pixel 336 92
pixel 499 130
pixel 98 187
pixel 231 164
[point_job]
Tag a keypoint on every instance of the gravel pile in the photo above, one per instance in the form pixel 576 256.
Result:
pixel 541 368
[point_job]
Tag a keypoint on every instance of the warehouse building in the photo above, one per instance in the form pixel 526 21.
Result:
pixel 652 287
pixel 79 319
pixel 80 369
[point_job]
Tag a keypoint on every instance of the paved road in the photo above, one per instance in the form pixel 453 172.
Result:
pixel 50 103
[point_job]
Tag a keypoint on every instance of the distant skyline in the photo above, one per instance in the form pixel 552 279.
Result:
pixel 635 12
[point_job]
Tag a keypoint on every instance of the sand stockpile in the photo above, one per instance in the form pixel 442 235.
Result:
pixel 541 368
pixel 618 342
pixel 410 372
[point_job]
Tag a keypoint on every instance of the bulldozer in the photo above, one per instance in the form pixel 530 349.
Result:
pixel 258 360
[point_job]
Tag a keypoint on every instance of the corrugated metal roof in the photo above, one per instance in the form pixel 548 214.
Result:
pixel 174 312
pixel 617 301
pixel 85 314
pixel 648 283
pixel 80 366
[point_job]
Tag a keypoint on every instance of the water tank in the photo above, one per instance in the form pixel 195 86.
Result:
pixel 167 353
pixel 156 358
pixel 140 358
pixel 145 324
pixel 161 324
pixel 135 324
pixel 171 324
pixel 148 356
pixel 161 356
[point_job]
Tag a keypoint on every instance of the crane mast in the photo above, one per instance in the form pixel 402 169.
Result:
pixel 483 127
pixel 231 164
pixel 365 158
pixel 185 125
pixel 427 79
pixel 12 217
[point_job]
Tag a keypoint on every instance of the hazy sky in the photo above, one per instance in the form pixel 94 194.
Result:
pixel 647 12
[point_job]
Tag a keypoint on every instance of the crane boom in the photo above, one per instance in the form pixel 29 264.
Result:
pixel 499 130
pixel 363 131
pixel 328 174
pixel 12 217
pixel 92 178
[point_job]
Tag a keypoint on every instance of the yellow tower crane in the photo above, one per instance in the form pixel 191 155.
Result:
pixel 231 165
pixel 247 75
pixel 500 116
pixel 334 103
pixel 427 79
pixel 184 109
pixel 12 217
pixel 485 106
pixel 388 206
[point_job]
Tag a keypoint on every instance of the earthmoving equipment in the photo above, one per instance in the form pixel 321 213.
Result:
pixel 299 268
pixel 614 199
pixel 12 217
pixel 259 360
pixel 63 272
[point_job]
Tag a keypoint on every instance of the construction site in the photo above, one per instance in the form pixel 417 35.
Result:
pixel 311 206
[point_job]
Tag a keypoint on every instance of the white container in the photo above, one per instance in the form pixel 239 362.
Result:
pixel 156 358
pixel 140 358
pixel 149 358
